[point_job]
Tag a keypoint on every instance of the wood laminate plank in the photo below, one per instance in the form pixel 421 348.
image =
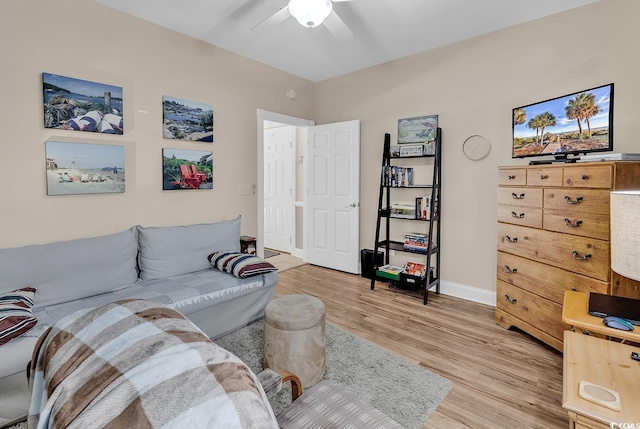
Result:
pixel 502 378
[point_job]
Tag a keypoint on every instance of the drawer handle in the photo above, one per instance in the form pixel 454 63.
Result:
pixel 574 224
pixel 510 270
pixel 517 216
pixel 543 176
pixel 510 301
pixel 511 240
pixel 568 199
pixel 574 289
pixel 511 177
pixel 584 177
pixel 516 196
pixel 578 258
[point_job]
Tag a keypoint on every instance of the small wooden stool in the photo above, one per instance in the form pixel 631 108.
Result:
pixel 295 336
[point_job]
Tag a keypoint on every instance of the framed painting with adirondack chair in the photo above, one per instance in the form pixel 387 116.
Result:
pixel 185 169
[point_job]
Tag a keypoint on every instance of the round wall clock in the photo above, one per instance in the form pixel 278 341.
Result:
pixel 476 147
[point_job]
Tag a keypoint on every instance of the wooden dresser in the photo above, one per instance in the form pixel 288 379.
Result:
pixel 553 235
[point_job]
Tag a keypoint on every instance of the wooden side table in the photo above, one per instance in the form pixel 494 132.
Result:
pixel 606 364
pixel 248 244
pixel 575 312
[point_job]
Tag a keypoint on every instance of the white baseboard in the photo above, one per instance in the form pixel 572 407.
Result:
pixel 483 296
pixel 298 253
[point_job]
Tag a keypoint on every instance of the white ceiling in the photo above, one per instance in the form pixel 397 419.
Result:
pixel 383 30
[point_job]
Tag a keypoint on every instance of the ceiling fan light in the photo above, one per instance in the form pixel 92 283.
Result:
pixel 310 13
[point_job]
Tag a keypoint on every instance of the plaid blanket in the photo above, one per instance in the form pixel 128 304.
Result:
pixel 139 364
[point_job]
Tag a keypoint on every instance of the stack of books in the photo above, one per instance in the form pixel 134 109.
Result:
pixel 415 242
pixel 397 176
pixel 403 211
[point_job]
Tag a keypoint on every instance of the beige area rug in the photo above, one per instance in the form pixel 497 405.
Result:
pixel 400 389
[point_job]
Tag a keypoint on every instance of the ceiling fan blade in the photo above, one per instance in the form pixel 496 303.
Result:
pixel 337 27
pixel 273 20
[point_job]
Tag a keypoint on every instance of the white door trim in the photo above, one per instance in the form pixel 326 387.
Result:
pixel 263 115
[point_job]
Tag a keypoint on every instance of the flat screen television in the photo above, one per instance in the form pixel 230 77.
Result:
pixel 573 124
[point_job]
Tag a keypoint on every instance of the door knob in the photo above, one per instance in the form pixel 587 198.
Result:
pixel 352 205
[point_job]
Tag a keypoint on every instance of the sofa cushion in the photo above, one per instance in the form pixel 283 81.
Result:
pixel 173 250
pixel 16 316
pixel 68 270
pixel 240 264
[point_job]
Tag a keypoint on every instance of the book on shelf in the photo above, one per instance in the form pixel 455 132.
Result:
pixel 390 269
pixel 403 211
pixel 415 269
pixel 397 176
pixel 423 207
pixel 416 242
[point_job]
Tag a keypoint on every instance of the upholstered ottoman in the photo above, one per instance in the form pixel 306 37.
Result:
pixel 294 337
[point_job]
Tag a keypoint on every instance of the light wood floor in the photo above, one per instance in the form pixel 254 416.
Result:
pixel 502 378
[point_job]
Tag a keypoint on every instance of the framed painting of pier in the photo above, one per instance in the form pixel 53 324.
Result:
pixel 81 105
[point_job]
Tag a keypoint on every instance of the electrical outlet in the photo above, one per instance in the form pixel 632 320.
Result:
pixel 244 190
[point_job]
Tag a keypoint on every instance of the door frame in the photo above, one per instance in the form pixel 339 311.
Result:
pixel 263 115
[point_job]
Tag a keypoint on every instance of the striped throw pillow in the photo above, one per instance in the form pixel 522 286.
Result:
pixel 16 316
pixel 241 265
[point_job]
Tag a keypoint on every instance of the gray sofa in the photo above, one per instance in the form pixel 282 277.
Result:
pixel 165 264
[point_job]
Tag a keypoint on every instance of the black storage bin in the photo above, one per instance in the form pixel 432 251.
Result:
pixel 408 281
pixel 367 262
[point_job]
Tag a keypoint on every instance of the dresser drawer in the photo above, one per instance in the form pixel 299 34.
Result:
pixel 586 224
pixel 582 255
pixel 525 216
pixel 544 280
pixel 577 200
pixel 512 176
pixel 521 197
pixel 536 311
pixel 544 177
pixel 585 176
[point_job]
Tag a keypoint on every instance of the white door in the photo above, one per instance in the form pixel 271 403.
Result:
pixel 332 203
pixel 278 195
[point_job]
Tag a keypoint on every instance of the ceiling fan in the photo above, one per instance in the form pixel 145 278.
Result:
pixel 310 13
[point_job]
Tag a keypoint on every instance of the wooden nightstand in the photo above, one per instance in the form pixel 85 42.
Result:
pixel 248 244
pixel 606 364
pixel 575 312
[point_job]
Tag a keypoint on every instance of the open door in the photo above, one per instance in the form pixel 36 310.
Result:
pixel 278 187
pixel 332 200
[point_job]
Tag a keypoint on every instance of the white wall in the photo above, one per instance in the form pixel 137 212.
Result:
pixel 85 40
pixel 472 86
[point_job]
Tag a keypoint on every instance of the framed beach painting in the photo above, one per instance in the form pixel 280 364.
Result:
pixel 184 169
pixel 82 105
pixel 187 120
pixel 420 129
pixel 84 168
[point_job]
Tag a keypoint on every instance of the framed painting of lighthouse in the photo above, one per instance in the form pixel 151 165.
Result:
pixel 81 105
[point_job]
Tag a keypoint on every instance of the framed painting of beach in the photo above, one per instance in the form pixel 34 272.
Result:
pixel 187 120
pixel 420 129
pixel 184 169
pixel 84 168
pixel 82 105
